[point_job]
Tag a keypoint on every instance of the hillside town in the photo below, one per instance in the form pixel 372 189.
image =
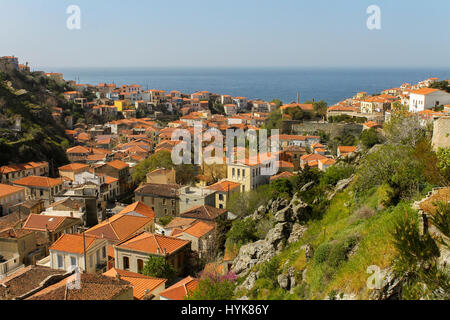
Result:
pixel 118 200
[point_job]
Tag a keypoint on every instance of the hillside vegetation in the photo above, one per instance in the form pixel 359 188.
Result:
pixel 361 220
pixel 30 97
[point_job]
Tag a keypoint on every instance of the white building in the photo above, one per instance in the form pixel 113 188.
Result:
pixel 427 98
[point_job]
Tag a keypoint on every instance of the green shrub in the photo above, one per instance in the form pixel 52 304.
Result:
pixel 242 231
pixel 322 252
pixel 336 173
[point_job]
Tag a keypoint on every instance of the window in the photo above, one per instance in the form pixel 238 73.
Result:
pixel 140 265
pixel 104 252
pixel 73 261
pixel 221 197
pixel 126 263
pixel 91 261
pixel 220 206
pixel 233 172
pixel 164 202
pixel 60 261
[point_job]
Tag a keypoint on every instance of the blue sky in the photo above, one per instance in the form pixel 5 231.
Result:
pixel 231 33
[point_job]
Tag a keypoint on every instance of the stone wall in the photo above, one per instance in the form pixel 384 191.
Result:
pixel 441 133
pixel 333 129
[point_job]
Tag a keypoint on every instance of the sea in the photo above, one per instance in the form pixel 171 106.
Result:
pixel 329 84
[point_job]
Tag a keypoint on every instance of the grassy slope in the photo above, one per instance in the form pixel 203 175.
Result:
pixel 341 221
pixel 41 136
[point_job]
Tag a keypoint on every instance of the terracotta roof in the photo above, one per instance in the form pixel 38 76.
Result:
pixel 93 287
pixel 25 280
pixel 6 189
pixel 14 233
pixel 109 180
pixel 39 222
pixel 165 190
pixel 346 149
pixel 224 186
pixel 312 157
pixel 139 282
pixel 199 229
pixel 73 167
pixel 180 222
pixel 38 181
pixel 282 175
pixel 120 226
pixel 204 212
pixel 20 167
pixel 328 162
pixel 78 149
pixel 424 91
pixel 12 220
pixel 180 289
pixel 153 244
pixel 139 208
pixel 72 243
pixel 117 164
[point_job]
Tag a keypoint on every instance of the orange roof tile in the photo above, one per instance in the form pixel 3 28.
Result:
pixel 153 244
pixel 74 167
pixel 139 282
pixel 73 243
pixel 224 186
pixel 6 190
pixel 180 289
pixel 199 229
pixel 38 181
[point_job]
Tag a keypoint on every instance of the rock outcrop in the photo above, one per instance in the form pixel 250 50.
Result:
pixel 289 217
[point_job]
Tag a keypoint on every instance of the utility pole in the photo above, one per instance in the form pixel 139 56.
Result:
pixel 84 249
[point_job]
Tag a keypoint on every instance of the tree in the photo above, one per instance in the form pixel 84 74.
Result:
pixel 296 113
pixel 443 156
pixel 274 121
pixel 185 173
pixel 214 287
pixel 161 159
pixel 215 171
pixel 369 138
pixel 242 231
pixel 395 166
pixel 403 129
pixel 417 261
pixel 277 102
pixel 159 267
pixel 441 85
pixel 281 188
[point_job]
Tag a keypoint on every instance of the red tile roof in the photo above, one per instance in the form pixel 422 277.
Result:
pixel 139 282
pixel 73 243
pixel 199 229
pixel 180 289
pixel 153 244
pixel 38 181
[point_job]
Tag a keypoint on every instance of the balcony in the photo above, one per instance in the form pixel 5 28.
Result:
pixel 9 263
